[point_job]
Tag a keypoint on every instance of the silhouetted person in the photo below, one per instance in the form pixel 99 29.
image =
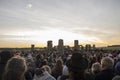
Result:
pixel 4 56
pixel 77 66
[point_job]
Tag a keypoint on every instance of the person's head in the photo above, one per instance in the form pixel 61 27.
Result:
pixel 59 63
pixel 15 69
pixel 41 56
pixel 96 67
pixel 46 68
pixel 5 56
pixel 38 72
pixel 44 62
pixel 107 63
pixel 17 54
pixel 77 66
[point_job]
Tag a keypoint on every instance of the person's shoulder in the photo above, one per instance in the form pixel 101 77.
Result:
pixel 98 75
pixel 68 79
pixel 2 67
pixel 50 78
pixel 47 76
pixel 117 77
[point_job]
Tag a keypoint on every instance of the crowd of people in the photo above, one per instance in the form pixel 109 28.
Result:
pixel 72 65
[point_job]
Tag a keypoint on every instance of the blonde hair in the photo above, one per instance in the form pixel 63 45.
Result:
pixel 107 63
pixel 96 67
pixel 47 68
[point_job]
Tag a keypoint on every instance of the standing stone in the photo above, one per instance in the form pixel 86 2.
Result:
pixel 60 47
pixel 32 47
pixel 76 45
pixel 49 46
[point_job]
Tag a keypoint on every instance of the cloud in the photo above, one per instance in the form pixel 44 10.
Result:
pixel 96 19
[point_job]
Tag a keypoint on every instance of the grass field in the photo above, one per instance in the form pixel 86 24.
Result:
pixel 110 48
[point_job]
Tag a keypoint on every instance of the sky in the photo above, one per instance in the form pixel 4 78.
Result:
pixel 26 22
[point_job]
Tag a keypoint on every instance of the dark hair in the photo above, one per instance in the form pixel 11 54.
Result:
pixel 5 56
pixel 77 66
pixel 77 63
pixel 38 71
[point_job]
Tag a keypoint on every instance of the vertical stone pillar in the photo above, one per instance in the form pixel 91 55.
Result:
pixel 60 47
pixel 49 47
pixel 76 45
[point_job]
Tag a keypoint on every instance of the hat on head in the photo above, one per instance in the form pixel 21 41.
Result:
pixel 77 63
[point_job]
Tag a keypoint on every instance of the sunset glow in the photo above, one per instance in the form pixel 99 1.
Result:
pixel 26 22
